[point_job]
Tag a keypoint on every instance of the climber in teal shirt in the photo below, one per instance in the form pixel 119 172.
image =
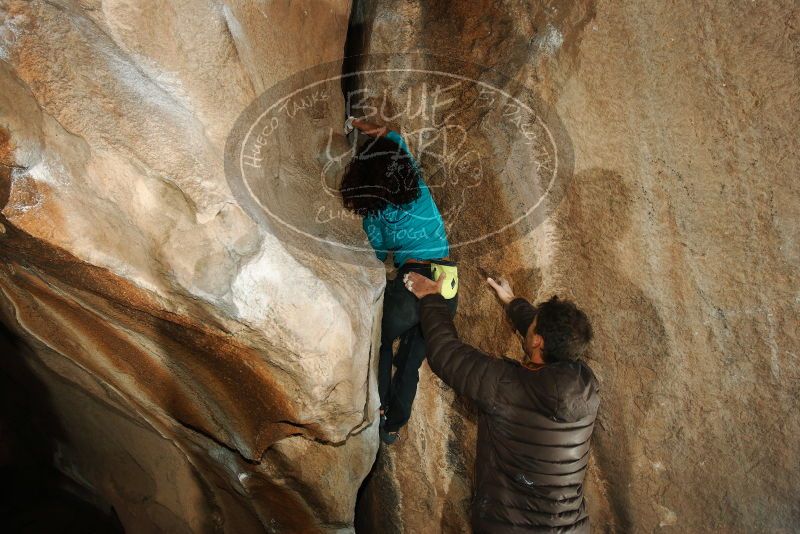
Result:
pixel 413 230
pixel 384 184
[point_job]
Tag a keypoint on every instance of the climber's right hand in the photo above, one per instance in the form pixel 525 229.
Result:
pixel 503 289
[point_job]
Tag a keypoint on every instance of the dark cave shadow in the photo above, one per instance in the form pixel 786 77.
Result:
pixel 35 496
pixel 458 450
pixel 372 515
pixel 594 216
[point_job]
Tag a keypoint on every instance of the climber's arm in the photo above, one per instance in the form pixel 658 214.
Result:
pixel 464 368
pixel 374 130
pixel 397 138
pixel 370 128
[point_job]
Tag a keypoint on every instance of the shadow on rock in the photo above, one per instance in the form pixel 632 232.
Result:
pixel 35 497
pixel 629 348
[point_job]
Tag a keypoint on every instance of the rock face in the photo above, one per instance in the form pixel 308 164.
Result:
pixel 206 372
pixel 677 232
pixel 205 377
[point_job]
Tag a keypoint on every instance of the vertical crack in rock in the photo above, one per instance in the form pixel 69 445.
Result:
pixel 355 43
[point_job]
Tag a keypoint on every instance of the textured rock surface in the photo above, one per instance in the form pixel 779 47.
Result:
pixel 196 391
pixel 678 233
pixel 190 377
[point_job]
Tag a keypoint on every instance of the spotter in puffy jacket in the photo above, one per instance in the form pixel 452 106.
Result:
pixel 536 417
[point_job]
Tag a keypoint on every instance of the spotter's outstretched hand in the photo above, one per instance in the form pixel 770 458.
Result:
pixel 503 289
pixel 422 286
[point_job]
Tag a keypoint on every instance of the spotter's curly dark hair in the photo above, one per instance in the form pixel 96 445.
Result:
pixel 380 174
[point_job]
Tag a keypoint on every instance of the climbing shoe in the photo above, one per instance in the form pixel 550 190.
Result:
pixel 388 437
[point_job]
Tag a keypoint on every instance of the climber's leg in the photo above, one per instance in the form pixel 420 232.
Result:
pixel 401 356
pixel 404 384
pixel 390 329
pixel 400 360
pixel 400 314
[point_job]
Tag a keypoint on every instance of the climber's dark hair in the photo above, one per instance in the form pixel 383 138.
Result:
pixel 565 328
pixel 381 173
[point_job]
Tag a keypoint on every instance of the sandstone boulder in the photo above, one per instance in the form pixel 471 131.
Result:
pixel 205 376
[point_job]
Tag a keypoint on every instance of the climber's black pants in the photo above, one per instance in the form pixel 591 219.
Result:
pixel 401 320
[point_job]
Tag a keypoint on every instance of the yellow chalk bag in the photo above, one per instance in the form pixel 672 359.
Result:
pixel 448 268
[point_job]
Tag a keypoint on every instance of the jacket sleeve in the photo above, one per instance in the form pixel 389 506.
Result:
pixel 521 314
pixel 464 368
pixel 375 237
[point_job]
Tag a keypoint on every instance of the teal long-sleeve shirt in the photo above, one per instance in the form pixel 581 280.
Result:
pixel 412 231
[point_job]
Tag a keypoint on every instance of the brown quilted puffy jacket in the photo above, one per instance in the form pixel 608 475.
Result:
pixel 533 430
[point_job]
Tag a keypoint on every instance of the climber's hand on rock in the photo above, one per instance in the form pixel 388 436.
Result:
pixel 422 286
pixel 503 289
